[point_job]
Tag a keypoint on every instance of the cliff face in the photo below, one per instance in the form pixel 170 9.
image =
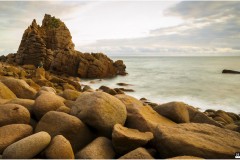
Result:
pixel 52 44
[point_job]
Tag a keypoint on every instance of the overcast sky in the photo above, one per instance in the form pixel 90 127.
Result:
pixel 165 28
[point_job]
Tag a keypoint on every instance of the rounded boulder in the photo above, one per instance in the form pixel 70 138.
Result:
pixel 19 87
pixel 100 148
pixel 72 128
pixel 12 133
pixel 47 102
pixel 13 114
pixel 28 147
pixel 100 111
pixel 59 148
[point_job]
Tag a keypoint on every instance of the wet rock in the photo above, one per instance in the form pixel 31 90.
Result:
pixel 5 92
pixel 47 102
pixel 100 111
pixel 13 114
pixel 139 153
pixel 200 140
pixel 86 88
pixel 100 148
pixel 230 71
pixel 19 87
pixel 59 148
pixel 123 84
pixel 224 116
pixel 126 139
pixel 12 133
pixel 28 147
pixel 108 90
pixel 70 127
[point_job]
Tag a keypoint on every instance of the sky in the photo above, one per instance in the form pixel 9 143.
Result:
pixel 132 28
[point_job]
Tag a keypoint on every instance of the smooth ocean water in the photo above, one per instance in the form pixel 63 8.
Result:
pixel 197 81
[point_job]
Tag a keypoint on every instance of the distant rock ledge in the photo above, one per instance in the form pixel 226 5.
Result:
pixel 230 71
pixel 52 44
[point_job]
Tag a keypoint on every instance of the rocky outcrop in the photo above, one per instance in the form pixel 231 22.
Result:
pixel 51 45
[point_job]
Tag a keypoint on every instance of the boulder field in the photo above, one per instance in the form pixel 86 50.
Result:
pixel 58 123
pixel 46 113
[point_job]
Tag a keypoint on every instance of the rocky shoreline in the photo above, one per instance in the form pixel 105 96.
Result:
pixel 46 113
pixel 43 115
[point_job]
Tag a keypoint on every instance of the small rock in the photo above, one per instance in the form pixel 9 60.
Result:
pixel 70 127
pixel 40 73
pixel 12 133
pixel 100 111
pixel 126 139
pixel 100 148
pixel 59 148
pixel 69 94
pixel 28 147
pixel 13 114
pixel 123 84
pixel 48 89
pixel 225 116
pixel 64 109
pixel 139 153
pixel 86 88
pixel 45 103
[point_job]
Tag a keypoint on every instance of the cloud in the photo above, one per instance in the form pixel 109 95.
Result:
pixel 209 28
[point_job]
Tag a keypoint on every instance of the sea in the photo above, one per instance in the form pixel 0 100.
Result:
pixel 197 81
